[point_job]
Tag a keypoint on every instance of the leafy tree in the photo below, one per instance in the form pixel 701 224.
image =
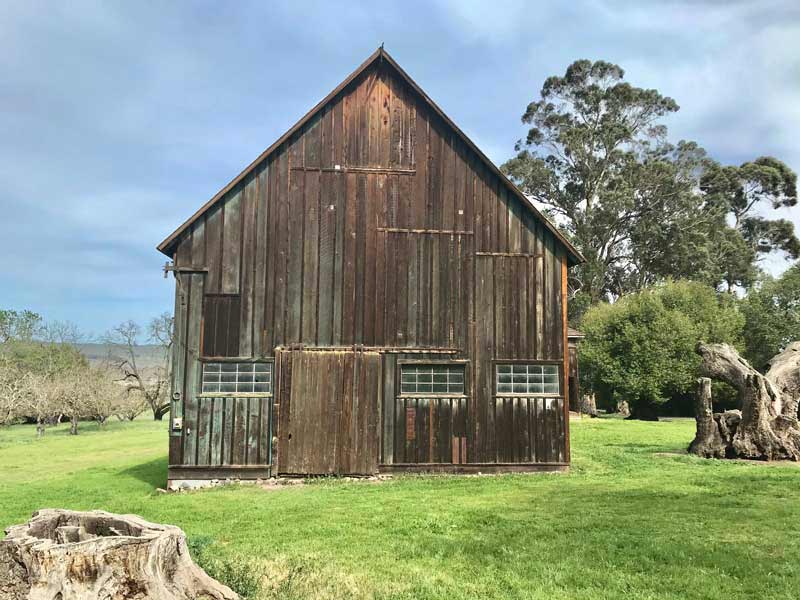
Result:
pixel 642 347
pixel 596 157
pixel 740 192
pixel 772 316
pixel 18 325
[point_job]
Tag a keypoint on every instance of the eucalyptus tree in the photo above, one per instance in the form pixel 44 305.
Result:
pixel 597 159
pixel 742 193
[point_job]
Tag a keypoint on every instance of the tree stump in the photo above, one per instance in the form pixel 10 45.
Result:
pixel 588 405
pixel 767 426
pixel 68 555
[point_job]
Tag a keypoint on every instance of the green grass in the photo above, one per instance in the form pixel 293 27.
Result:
pixel 629 520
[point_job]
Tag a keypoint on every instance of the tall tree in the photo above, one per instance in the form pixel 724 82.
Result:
pixel 596 157
pixel 740 192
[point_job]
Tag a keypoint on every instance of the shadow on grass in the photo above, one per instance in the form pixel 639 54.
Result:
pixel 153 473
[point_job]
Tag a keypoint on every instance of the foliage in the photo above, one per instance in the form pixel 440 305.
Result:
pixel 44 376
pixel 740 192
pixel 634 518
pixel 772 316
pixel 641 209
pixel 35 373
pixel 642 347
pixel 18 325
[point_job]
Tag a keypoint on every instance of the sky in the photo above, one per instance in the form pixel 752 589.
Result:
pixel 119 119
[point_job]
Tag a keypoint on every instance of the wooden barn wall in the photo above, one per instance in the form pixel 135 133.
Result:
pixel 376 225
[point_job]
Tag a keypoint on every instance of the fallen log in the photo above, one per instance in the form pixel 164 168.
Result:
pixel 68 555
pixel 766 428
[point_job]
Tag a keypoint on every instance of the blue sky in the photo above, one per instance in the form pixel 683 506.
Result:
pixel 119 119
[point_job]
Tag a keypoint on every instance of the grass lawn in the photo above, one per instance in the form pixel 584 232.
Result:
pixel 628 521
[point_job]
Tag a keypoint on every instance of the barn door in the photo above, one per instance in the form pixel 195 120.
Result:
pixel 329 412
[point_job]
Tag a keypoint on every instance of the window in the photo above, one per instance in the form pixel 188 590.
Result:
pixel 237 378
pixel 432 379
pixel 527 379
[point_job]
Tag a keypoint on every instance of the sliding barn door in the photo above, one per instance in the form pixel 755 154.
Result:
pixel 329 412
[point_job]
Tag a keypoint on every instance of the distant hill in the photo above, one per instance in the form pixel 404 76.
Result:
pixel 147 355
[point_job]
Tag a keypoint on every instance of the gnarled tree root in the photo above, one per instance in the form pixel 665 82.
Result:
pixel 767 426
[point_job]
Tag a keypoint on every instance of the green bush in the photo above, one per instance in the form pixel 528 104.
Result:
pixel 642 347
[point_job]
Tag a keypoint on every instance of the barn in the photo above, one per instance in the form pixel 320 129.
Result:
pixel 369 295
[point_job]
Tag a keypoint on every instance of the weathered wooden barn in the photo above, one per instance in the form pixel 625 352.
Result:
pixel 370 294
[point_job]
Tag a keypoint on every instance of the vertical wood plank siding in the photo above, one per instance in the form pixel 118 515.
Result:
pixel 374 224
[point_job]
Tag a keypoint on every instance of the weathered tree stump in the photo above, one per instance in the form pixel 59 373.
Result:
pixel 623 408
pixel 588 405
pixel 67 555
pixel 767 426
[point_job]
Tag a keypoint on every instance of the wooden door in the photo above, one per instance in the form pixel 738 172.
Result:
pixel 329 412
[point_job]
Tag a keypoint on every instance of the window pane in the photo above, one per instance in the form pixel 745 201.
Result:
pixel 527 379
pixel 237 378
pixel 432 379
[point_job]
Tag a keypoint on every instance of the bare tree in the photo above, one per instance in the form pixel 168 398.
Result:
pixel 44 402
pixel 14 391
pixel 152 384
pixel 129 404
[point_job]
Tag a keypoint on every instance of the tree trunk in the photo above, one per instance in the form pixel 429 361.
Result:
pixel 73 425
pixel 714 437
pixel 589 405
pixel 767 427
pixel 98 555
pixel 159 411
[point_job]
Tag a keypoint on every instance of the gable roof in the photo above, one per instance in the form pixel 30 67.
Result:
pixel 167 246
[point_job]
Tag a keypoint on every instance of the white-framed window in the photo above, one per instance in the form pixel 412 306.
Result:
pixel 432 379
pixel 527 379
pixel 231 378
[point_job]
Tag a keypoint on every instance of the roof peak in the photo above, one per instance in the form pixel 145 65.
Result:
pixel 380 53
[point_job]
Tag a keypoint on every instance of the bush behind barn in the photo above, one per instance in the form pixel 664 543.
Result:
pixel 642 347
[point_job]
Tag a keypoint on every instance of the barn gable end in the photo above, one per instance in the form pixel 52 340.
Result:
pixel 373 225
